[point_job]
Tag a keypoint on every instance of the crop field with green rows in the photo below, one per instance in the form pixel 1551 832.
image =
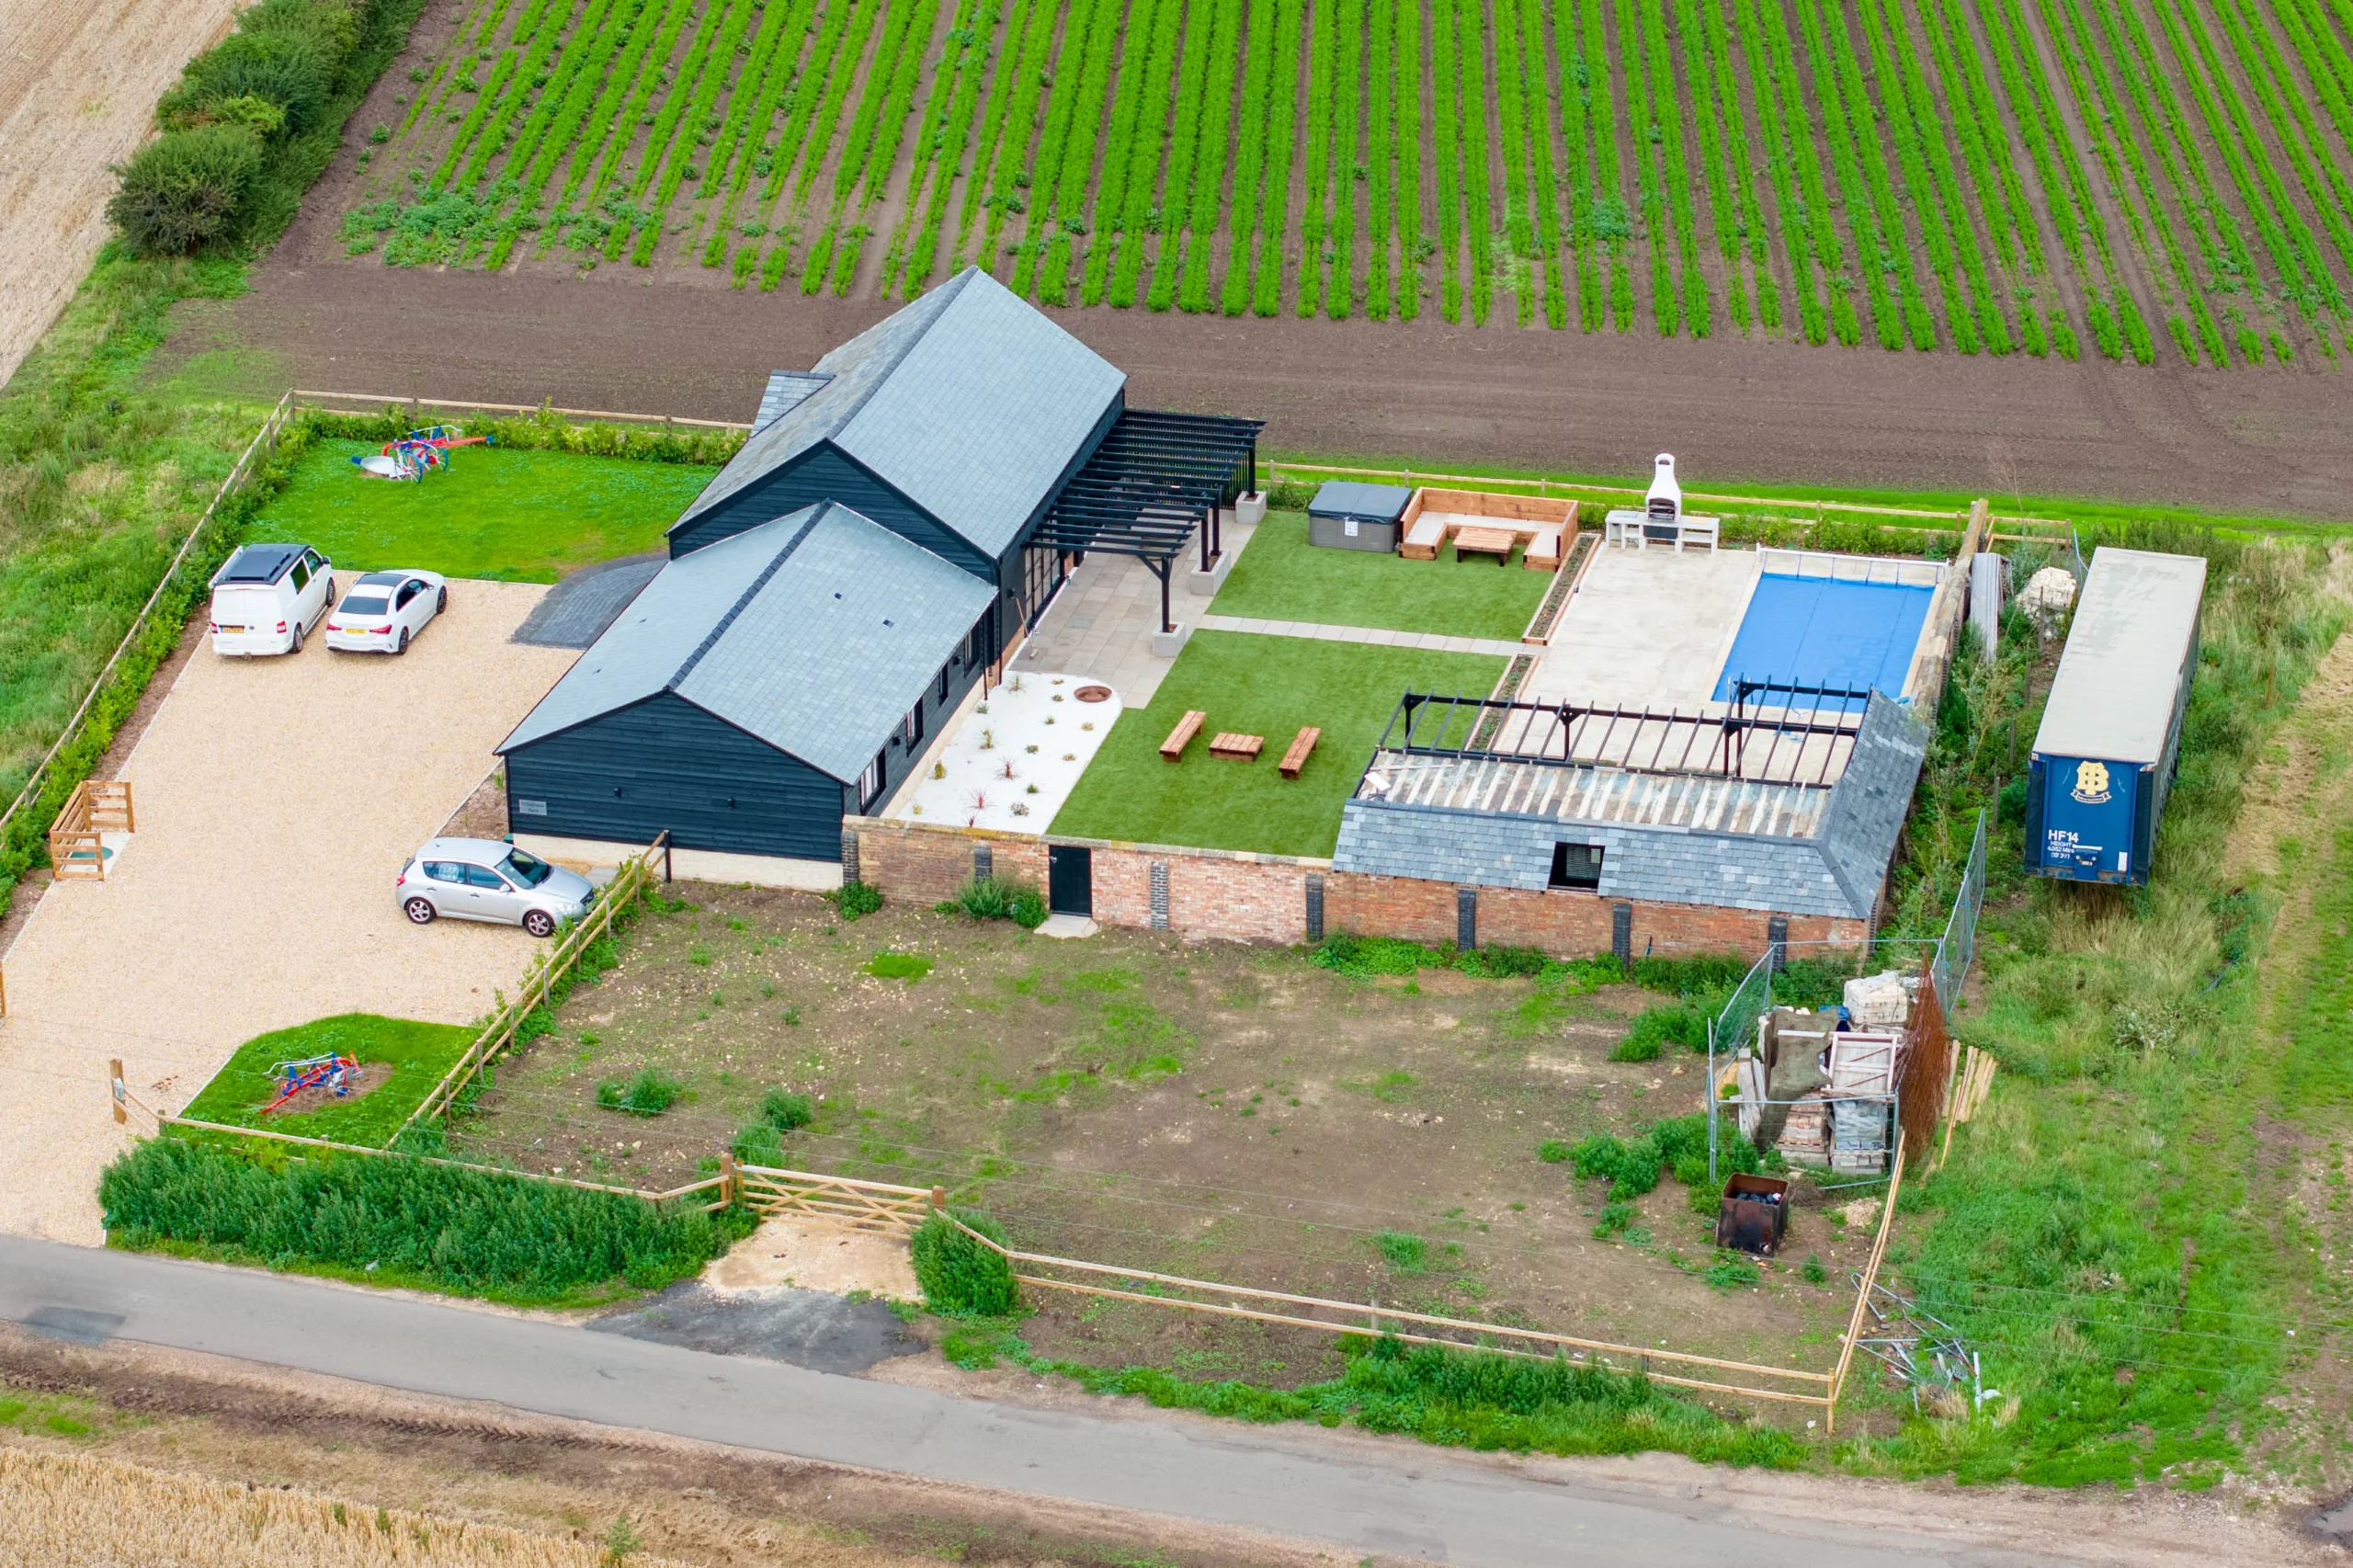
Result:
pixel 2129 178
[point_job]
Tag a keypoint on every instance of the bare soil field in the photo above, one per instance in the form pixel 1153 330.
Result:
pixel 1424 394
pixel 77 87
pixel 1216 1111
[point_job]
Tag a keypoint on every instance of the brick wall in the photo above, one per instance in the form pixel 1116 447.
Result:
pixel 1263 898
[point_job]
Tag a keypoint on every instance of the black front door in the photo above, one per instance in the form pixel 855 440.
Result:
pixel 1070 880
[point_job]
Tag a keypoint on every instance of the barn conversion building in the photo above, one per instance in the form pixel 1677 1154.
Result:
pixel 898 517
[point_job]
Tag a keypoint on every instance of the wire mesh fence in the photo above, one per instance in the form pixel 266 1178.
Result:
pixel 1957 947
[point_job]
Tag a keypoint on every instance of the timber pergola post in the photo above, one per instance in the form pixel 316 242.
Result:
pixel 1155 481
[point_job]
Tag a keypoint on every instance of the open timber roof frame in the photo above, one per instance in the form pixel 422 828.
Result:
pixel 1156 480
pixel 1568 739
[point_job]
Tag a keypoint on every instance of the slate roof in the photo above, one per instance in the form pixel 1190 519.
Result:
pixel 1835 871
pixel 969 401
pixel 787 390
pixel 816 633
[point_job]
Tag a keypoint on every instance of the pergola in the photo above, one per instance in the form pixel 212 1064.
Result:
pixel 1155 479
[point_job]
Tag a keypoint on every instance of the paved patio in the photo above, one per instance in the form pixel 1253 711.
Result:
pixel 277 799
pixel 1102 622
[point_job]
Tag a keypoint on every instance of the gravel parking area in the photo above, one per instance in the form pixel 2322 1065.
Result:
pixel 276 799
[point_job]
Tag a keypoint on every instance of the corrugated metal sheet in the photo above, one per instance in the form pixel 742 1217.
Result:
pixel 2114 695
pixel 1597 794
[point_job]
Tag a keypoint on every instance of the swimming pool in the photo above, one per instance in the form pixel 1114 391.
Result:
pixel 1820 631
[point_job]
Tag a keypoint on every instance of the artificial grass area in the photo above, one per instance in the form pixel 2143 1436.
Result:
pixel 1280 576
pixel 510 515
pixel 419 1054
pixel 1260 686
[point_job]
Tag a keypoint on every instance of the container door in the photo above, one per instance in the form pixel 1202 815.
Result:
pixel 2087 819
pixel 1070 880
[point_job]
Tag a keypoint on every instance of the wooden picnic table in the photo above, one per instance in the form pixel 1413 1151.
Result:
pixel 1237 748
pixel 1497 542
pixel 1182 735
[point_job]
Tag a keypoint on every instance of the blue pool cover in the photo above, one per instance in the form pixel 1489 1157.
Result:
pixel 1813 632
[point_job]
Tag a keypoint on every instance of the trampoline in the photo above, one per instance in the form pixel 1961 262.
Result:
pixel 1818 631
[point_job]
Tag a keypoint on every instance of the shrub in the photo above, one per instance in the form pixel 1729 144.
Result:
pixel 260 117
pixel 278 68
pixel 757 1144
pixel 649 1093
pixel 1666 1023
pixel 476 1232
pixel 1553 1151
pixel 993 898
pixel 784 1110
pixel 853 899
pixel 1731 1271
pixel 184 189
pixel 959 1277
pixel 329 28
pixel 1405 1253
pixel 1364 956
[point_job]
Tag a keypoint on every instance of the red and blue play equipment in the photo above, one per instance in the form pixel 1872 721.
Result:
pixel 411 455
pixel 334 1071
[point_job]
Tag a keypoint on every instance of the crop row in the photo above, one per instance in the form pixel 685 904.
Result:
pixel 1813 167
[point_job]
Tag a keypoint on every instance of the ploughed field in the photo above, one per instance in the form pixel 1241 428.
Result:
pixel 1212 1111
pixel 2126 178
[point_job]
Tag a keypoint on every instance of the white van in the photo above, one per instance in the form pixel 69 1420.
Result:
pixel 267 595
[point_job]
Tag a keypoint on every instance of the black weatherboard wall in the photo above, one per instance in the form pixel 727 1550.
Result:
pixel 664 764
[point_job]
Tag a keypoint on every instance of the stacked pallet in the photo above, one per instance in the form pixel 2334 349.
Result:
pixel 1805 1133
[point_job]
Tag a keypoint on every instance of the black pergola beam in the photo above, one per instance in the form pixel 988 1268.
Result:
pixel 1149 465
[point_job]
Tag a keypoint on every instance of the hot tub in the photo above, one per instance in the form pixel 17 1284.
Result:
pixel 1348 515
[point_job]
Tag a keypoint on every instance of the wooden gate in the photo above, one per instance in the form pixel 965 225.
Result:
pixel 837 1200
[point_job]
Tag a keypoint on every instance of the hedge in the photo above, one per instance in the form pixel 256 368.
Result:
pixel 396 1220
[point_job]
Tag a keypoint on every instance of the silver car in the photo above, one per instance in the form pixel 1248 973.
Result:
pixel 481 879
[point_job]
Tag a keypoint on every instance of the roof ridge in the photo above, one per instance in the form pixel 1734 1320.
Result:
pixel 817 514
pixel 953 289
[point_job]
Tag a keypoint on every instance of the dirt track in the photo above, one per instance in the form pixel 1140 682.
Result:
pixel 2273 441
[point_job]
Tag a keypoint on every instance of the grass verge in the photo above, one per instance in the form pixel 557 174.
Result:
pixel 1263 685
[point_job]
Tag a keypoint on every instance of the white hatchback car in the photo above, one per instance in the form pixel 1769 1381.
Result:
pixel 385 609
pixel 266 596
pixel 483 878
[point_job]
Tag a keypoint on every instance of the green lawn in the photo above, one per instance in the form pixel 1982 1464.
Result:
pixel 417 1054
pixel 1260 686
pixel 1280 576
pixel 517 516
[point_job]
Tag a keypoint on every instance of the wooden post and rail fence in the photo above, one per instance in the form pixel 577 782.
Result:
pixel 498 1034
pixel 81 841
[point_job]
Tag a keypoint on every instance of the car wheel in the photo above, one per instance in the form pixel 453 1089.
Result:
pixel 403 648
pixel 420 910
pixel 441 601
pixel 296 646
pixel 538 923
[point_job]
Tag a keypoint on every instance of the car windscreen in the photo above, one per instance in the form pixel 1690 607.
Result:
pixel 372 604
pixel 527 868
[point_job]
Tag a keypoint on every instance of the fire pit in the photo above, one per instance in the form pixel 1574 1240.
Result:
pixel 1093 694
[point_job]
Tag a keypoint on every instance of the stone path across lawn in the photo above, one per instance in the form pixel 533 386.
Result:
pixel 277 799
pixel 1494 646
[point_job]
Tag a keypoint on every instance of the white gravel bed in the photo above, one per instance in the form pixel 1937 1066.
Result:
pixel 1013 760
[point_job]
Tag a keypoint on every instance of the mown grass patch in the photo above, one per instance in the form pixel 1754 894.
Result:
pixel 416 1054
pixel 1280 576
pixel 523 517
pixel 1263 685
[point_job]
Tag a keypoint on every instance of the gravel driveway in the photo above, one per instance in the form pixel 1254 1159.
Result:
pixel 277 799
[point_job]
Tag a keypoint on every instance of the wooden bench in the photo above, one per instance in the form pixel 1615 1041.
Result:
pixel 1425 536
pixel 1173 748
pixel 1544 550
pixel 1302 744
pixel 1237 747
pixel 1497 542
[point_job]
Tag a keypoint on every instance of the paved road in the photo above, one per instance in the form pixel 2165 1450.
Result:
pixel 1424 1505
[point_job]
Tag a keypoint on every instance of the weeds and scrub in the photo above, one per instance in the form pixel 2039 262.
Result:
pixel 409 1057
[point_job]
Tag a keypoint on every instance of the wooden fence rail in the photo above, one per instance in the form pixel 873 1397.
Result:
pixel 623 891
pixel 380 400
